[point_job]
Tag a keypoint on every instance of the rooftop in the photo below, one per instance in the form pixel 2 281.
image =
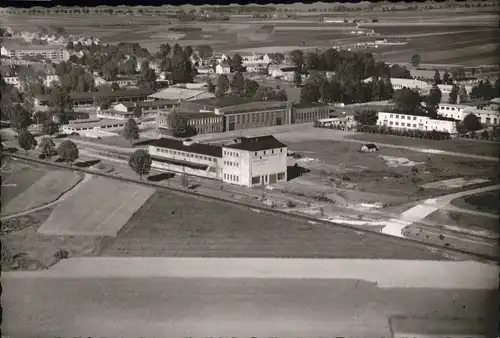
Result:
pixel 256 143
pixel 109 94
pixel 103 122
pixel 196 148
pixel 173 93
pixel 16 44
pixel 309 105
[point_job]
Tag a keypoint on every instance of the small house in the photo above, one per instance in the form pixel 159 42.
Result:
pixel 369 148
pixel 223 68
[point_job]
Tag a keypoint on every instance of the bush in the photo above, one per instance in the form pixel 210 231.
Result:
pixel 61 254
pixel 291 204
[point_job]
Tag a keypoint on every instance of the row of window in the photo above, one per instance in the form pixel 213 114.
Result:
pixel 403 117
pixel 402 124
pixel 449 108
pixel 234 178
pixel 265 152
pixel 255 117
pixel 181 153
pixel 231 153
pixel 232 164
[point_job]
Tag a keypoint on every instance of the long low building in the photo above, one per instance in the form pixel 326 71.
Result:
pixel 14 49
pixel 246 162
pixel 94 125
pixel 488 112
pixel 416 122
pixel 87 99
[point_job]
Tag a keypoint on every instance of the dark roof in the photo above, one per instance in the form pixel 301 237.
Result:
pixel 309 105
pixel 256 143
pixel 476 103
pixel 224 101
pixel 192 165
pixel 157 103
pixel 371 146
pixel 197 148
pixel 110 94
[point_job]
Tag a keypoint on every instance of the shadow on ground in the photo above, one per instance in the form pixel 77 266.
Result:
pixel 161 177
pixel 87 164
pixel 295 171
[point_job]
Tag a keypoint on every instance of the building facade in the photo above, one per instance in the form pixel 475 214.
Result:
pixel 309 112
pixel 52 52
pixel 486 111
pixel 255 161
pixel 414 122
pixel 201 122
pixel 223 68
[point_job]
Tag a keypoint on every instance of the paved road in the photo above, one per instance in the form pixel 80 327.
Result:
pixel 173 307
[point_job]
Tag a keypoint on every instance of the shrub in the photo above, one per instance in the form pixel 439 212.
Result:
pixel 61 254
pixel 290 204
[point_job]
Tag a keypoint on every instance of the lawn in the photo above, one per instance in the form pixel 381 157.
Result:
pixel 386 176
pixel 17 177
pixel 30 250
pixel 111 205
pixel 47 189
pixel 465 146
pixel 174 225
pixel 484 202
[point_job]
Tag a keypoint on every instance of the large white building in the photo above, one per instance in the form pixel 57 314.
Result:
pixel 255 161
pixel 247 162
pixel 414 122
pixel 399 83
pixel 56 53
pixel 487 111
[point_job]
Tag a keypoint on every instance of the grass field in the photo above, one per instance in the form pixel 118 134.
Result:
pixel 484 202
pixel 174 225
pixel 277 35
pixel 100 207
pixel 46 189
pixel 31 250
pixel 386 174
pixel 17 177
pixel 491 149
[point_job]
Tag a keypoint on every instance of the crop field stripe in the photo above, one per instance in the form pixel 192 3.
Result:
pixel 481 257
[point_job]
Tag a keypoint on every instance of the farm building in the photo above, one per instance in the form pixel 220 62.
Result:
pixel 487 111
pixel 247 162
pixel 369 148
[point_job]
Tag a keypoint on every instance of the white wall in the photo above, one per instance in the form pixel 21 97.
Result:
pixel 411 122
pixel 184 170
pixel 268 163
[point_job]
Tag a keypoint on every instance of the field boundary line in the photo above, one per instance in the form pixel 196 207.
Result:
pixel 481 257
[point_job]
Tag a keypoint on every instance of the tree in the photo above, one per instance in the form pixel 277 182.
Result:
pixel 437 77
pixel 462 94
pixel 415 60
pixel 297 58
pixel 177 123
pixel 68 151
pixel 26 140
pixel 433 99
pixel 18 116
pixel 297 79
pixel 366 117
pixel 137 112
pixel 140 161
pixel 50 128
pixel 204 51
pixel 453 94
pixel 236 62
pixel 131 130
pixel 278 58
pixel 407 101
pixel 222 84
pixel 165 49
pixel 47 147
pixel 310 92
pixel 238 84
pixel 472 122
pixel 447 77
pixel 251 88
pixel 60 103
pixel 188 50
pixel 114 86
pixel 210 86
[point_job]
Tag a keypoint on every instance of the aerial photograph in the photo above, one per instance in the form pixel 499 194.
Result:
pixel 298 170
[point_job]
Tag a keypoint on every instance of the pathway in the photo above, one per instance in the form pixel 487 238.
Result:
pixel 419 212
pixel 67 194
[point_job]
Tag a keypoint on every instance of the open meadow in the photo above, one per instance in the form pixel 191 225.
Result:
pixel 168 226
pixel 389 176
pixel 99 208
pixel 27 186
pixel 470 38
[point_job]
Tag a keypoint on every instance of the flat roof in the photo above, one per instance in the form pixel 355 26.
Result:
pixel 310 105
pixel 196 148
pixel 256 143
pixel 174 93
pixel 254 106
pixel 157 103
pixel 192 165
pixel 105 122
pixel 438 326
pixel 110 94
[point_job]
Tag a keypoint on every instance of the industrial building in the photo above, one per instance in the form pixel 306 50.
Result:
pixel 416 122
pixel 249 162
